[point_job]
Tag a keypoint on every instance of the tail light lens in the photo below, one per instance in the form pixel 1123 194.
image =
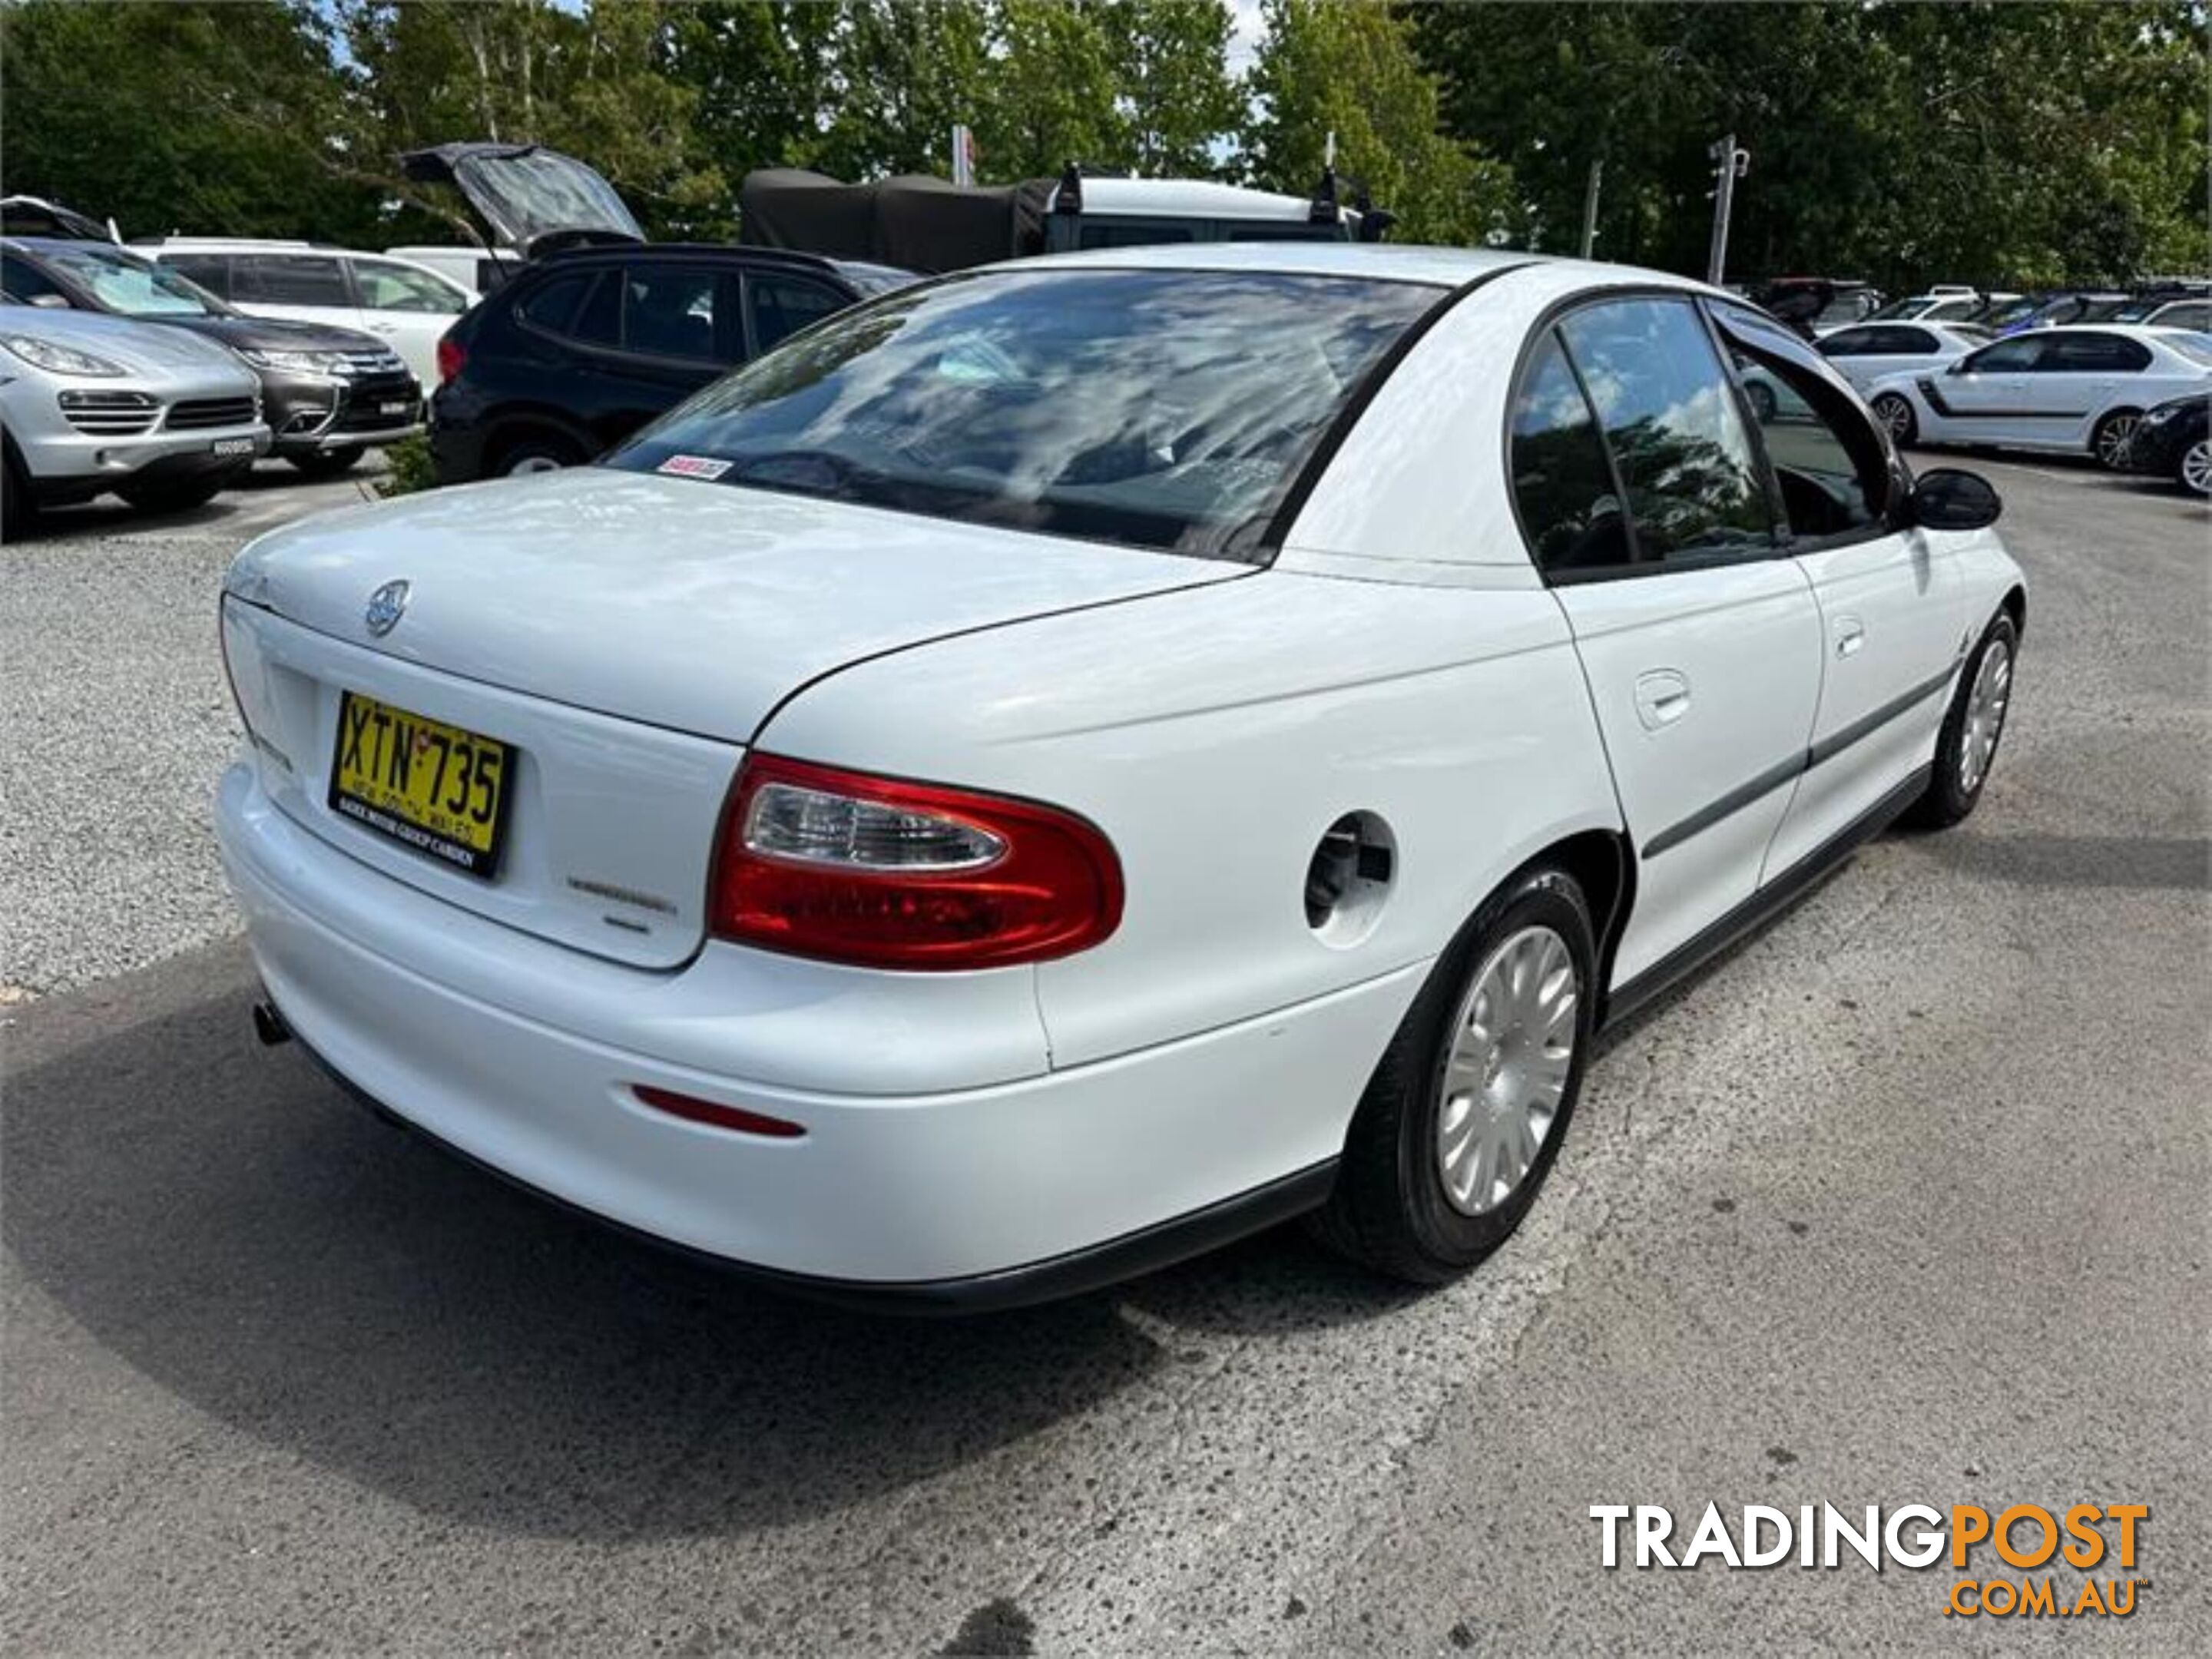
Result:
pixel 453 355
pixel 843 866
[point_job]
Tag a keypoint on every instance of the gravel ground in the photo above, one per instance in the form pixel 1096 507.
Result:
pixel 1903 1200
pixel 114 725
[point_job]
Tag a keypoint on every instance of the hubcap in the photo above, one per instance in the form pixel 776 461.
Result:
pixel 2112 441
pixel 529 463
pixel 2197 466
pixel 1985 712
pixel 1505 1074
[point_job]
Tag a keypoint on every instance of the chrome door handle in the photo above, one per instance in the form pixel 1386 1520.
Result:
pixel 1662 696
pixel 1851 635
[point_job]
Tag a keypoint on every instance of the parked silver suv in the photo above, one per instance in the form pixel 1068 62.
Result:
pixel 91 403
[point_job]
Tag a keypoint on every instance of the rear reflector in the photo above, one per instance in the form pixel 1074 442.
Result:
pixel 692 1110
pixel 845 866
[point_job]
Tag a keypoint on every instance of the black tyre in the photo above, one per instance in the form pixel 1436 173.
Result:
pixel 17 509
pixel 176 494
pixel 536 451
pixel 1894 411
pixel 328 462
pixel 1966 747
pixel 1462 1120
pixel 2108 442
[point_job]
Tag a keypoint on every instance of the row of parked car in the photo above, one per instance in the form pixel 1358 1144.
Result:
pixel 569 331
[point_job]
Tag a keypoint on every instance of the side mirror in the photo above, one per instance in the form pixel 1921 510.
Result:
pixel 1946 498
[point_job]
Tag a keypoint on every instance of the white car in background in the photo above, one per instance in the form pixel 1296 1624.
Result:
pixel 1942 304
pixel 1053 768
pixel 92 404
pixel 1870 351
pixel 2073 389
pixel 407 305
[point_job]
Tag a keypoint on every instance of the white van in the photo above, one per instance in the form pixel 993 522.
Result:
pixel 407 303
pixel 479 270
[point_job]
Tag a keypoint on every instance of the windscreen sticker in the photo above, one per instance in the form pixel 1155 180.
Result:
pixel 693 466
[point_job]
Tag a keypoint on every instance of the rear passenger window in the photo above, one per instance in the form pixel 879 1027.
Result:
pixel 1670 421
pixel 2093 354
pixel 211 270
pixel 281 279
pixel 782 306
pixel 552 306
pixel 1561 485
pixel 584 305
pixel 668 311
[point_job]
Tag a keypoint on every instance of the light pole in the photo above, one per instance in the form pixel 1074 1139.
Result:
pixel 1590 205
pixel 1729 164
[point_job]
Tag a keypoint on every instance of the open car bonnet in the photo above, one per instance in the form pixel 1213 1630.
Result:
pixel 531 199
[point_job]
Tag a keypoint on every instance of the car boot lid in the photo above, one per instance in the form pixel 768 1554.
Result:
pixel 532 198
pixel 701 606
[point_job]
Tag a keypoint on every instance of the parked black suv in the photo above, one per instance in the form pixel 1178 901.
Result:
pixel 585 346
pixel 326 393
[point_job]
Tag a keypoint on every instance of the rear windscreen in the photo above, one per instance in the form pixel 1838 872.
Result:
pixel 1163 408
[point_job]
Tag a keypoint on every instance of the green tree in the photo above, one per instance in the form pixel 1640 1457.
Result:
pixel 901 73
pixel 1174 93
pixel 595 84
pixel 1047 97
pixel 1349 68
pixel 194 118
pixel 2015 144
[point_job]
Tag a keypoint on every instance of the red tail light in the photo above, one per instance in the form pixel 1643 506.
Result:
pixel 843 866
pixel 453 356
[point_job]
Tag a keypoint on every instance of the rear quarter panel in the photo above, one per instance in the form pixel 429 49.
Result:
pixel 1214 734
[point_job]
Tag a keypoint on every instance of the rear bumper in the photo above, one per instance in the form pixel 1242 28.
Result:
pixel 956 1199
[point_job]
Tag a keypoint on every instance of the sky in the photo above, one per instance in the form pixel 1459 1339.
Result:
pixel 1246 33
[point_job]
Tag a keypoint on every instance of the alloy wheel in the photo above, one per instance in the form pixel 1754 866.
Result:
pixel 1505 1072
pixel 1985 712
pixel 2114 439
pixel 2196 467
pixel 1897 415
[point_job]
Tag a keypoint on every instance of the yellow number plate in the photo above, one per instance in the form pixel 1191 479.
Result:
pixel 439 788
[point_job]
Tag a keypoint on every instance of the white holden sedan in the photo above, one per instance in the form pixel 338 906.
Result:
pixel 1072 762
pixel 2077 390
pixel 1872 351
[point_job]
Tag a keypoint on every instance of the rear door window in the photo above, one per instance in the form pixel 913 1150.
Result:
pixel 669 311
pixel 211 270
pixel 290 279
pixel 2093 354
pixel 1672 425
pixel 1562 485
pixel 780 304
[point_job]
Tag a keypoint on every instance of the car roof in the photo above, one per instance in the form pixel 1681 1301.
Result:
pixel 71 245
pixel 1189 198
pixel 586 252
pixel 2132 331
pixel 1404 262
